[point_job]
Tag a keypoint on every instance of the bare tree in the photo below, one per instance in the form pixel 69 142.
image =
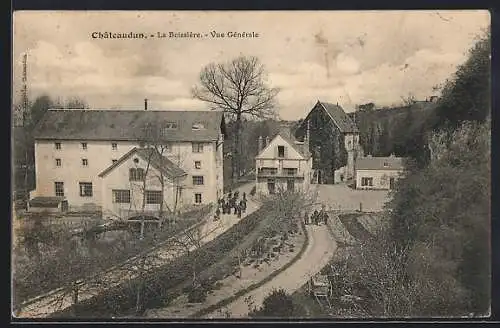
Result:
pixel 239 88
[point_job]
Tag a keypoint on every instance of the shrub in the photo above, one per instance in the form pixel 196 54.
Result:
pixel 278 304
pixel 197 295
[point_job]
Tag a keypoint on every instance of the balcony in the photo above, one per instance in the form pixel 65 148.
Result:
pixel 275 173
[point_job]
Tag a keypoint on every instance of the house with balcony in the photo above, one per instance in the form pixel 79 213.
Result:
pixel 282 164
pixel 123 161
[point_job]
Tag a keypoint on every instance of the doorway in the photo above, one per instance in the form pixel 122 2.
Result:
pixel 391 183
pixel 271 186
pixel 290 185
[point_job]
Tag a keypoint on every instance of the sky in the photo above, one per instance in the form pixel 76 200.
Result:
pixel 344 57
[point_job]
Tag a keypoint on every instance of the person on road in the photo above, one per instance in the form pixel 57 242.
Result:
pixel 306 218
pixel 243 205
pixel 315 217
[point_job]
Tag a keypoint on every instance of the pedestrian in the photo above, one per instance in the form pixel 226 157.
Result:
pixel 217 214
pixel 315 217
pixel 306 218
pixel 242 206
pixel 325 217
pixel 236 194
pixel 244 196
pixel 235 206
pixel 239 211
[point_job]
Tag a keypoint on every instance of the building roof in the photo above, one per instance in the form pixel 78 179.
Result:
pixel 118 125
pixel 294 144
pixel 152 156
pixel 339 117
pixel 390 163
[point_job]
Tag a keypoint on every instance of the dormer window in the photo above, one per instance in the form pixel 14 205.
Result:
pixel 84 145
pixel 281 151
pixel 386 164
pixel 198 126
pixel 168 126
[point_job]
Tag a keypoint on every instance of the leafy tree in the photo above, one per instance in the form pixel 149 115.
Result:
pixel 466 97
pixel 239 88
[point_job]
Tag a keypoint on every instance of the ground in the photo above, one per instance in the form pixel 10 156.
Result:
pixel 318 253
pixel 342 197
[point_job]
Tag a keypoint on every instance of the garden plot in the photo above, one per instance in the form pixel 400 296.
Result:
pixel 339 231
pixel 373 223
pixel 267 256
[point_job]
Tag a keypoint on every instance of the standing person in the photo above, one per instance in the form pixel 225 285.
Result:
pixel 217 213
pixel 238 211
pixel 243 205
pixel 325 217
pixel 244 196
pixel 306 218
pixel 315 217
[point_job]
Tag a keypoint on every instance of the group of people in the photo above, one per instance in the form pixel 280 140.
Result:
pixel 317 217
pixel 232 203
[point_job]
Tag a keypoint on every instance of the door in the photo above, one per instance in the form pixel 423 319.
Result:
pixel 271 186
pixel 391 183
pixel 290 185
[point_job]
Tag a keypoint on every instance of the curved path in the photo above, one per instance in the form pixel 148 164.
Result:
pixel 318 253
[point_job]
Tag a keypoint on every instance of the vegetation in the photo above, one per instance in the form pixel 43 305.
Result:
pixel 278 304
pixel 239 88
pixel 434 257
pixel 50 256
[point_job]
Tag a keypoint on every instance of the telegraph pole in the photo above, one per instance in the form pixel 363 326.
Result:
pixel 25 123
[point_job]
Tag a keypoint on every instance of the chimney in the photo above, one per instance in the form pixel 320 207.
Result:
pixel 145 103
pixel 260 144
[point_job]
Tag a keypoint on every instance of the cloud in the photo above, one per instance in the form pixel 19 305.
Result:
pixel 349 57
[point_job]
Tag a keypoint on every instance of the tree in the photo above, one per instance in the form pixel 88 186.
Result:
pixel 239 88
pixel 466 96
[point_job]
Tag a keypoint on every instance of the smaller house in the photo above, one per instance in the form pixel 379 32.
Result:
pixel 378 172
pixel 142 181
pixel 283 164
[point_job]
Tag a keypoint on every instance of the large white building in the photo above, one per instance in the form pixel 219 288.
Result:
pixel 283 164
pixel 112 160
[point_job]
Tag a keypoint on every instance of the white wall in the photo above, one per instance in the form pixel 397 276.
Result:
pixel 119 179
pixel 100 155
pixel 380 178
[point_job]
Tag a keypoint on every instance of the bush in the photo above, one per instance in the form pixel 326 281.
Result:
pixel 197 295
pixel 278 304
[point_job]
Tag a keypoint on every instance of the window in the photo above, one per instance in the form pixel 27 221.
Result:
pixel 57 145
pixel 197 180
pixel 85 162
pixel 168 126
pixel 197 164
pixel 290 171
pixel 386 164
pixel 113 161
pixel 367 182
pixel 197 147
pixel 121 196
pixel 281 151
pixel 86 189
pixel 58 162
pixel 84 145
pixel 197 198
pixel 114 146
pixel 268 170
pixel 290 185
pixel 153 197
pixel 198 126
pixel 136 174
pixel 59 188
